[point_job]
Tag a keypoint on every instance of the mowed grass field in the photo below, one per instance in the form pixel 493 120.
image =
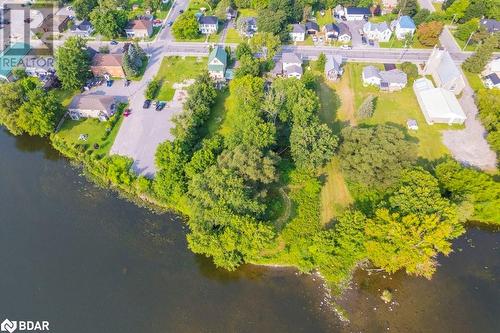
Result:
pixel 175 70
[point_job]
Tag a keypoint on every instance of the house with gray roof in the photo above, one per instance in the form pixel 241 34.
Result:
pixel 82 29
pixel 444 71
pixel 92 106
pixel 290 65
pixel 217 63
pixel 333 67
pixel 490 25
pixel 247 26
pixel 345 35
pixel 331 31
pixel 392 80
pixel 377 31
pixel 312 28
pixel 298 33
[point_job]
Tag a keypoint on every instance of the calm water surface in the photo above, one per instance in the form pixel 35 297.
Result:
pixel 87 261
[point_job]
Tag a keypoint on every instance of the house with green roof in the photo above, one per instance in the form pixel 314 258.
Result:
pixel 217 63
pixel 10 58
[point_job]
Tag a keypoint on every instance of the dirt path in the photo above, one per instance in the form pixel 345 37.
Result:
pixel 347 109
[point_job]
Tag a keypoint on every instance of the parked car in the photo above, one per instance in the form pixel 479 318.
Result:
pixel 127 83
pixel 363 40
pixel 160 106
pixel 155 103
pixel 169 23
pixel 109 83
pixel 181 11
pixel 346 47
pixel 146 104
pixel 113 42
pixel 371 42
pixel 127 113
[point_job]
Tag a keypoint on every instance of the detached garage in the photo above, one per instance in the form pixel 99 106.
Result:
pixel 438 105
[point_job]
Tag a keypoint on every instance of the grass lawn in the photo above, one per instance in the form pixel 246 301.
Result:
pixel 396 108
pixel 247 12
pixel 233 36
pixel 325 19
pixel 217 113
pixel 96 130
pixel 175 70
pixel 396 43
pixel 65 96
pixel 335 196
pixel 474 80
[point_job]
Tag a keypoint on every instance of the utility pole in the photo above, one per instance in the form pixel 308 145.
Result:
pixel 468 40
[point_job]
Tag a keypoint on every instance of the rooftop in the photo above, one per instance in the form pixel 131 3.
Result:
pixel 290 58
pixel 298 29
pixel 212 20
pixel 357 11
pixel 105 59
pixel 139 25
pixel 406 22
pixel 91 102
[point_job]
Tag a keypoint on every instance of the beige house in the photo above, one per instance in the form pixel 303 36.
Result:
pixel 108 64
pixel 92 106
pixel 139 29
pixel 444 71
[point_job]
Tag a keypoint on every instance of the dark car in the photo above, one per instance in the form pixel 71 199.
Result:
pixel 127 112
pixel 127 83
pixel 146 104
pixel 113 42
pixel 371 42
pixel 160 106
pixel 109 83
pixel 181 11
pixel 363 40
pixel 169 23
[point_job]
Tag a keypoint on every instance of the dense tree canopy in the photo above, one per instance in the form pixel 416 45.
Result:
pixel 72 63
pixel 375 156
pixel 186 26
pixel 428 33
pixel 488 102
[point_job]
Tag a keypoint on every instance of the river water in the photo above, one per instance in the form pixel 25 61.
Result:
pixel 88 261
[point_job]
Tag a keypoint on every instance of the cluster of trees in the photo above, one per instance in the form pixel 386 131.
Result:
pixel 488 102
pixel 465 10
pixel 428 33
pixel 26 108
pixel 134 60
pixel 477 62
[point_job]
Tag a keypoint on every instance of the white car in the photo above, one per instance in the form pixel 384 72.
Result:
pixel 346 47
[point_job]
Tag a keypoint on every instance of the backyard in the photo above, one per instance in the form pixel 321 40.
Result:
pixel 175 70
pixel 102 133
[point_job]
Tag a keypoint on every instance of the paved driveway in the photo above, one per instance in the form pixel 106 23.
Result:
pixel 354 27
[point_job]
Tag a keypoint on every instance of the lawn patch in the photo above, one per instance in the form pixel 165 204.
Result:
pixel 175 70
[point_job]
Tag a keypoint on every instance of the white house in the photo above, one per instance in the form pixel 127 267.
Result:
pixel 92 106
pixel 403 26
pixel 82 29
pixel 298 33
pixel 333 67
pixel 492 81
pixel 139 29
pixel 292 65
pixel 357 13
pixel 438 105
pixel 391 80
pixel 444 71
pixel 208 24
pixel 377 31
pixel 345 35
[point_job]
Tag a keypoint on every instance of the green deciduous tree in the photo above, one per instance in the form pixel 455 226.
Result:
pixel 186 26
pixel 421 16
pixel 375 156
pixel 464 31
pixel 411 242
pixel 40 113
pixel 248 66
pixel 476 62
pixel 407 7
pixel 457 9
pixel 467 185
pixel 83 8
pixel 243 49
pixel 410 70
pixel 320 63
pixel 108 21
pixel 312 144
pixel 266 43
pixel 428 33
pixel 72 63
pixel 488 102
